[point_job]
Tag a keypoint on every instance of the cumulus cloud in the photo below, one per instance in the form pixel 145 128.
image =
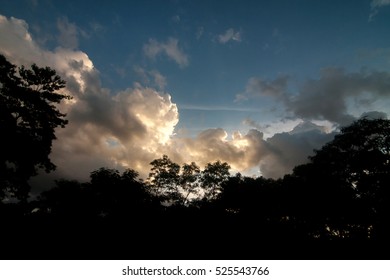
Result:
pixel 229 35
pixel 123 129
pixel 375 5
pixel 242 152
pixel 170 48
pixel 289 149
pixel 273 157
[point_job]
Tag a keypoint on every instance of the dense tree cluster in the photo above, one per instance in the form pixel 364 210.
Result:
pixel 341 194
pixel 28 118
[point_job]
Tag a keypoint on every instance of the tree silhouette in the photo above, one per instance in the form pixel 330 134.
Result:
pixel 189 180
pixel 28 118
pixel 359 157
pixel 213 176
pixel 344 190
pixel 164 179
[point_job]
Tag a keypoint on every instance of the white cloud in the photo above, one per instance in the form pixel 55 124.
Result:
pixel 375 5
pixel 273 157
pixel 125 129
pixel 229 35
pixel 170 48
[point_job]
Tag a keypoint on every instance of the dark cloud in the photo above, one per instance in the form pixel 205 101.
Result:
pixel 257 87
pixel 374 115
pixel 326 98
pixel 289 149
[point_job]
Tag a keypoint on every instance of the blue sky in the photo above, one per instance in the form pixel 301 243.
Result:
pixel 239 66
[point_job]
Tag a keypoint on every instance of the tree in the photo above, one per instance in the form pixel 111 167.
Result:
pixel 164 179
pixel 213 176
pixel 346 184
pixel 189 180
pixel 28 118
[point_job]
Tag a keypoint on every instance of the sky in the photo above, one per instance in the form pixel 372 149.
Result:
pixel 258 84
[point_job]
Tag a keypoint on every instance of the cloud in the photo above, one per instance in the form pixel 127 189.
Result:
pixel 375 5
pixel 229 35
pixel 216 108
pixel 257 87
pixel 330 97
pixel 199 32
pixel 242 152
pixel 153 77
pixel 68 34
pixel 273 157
pixel 114 129
pixel 170 48
pixel 251 123
pixel 374 115
pixel 289 149
pixel 131 127
pixel 176 18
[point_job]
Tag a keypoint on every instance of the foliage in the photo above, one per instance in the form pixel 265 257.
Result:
pixel 213 176
pixel 189 180
pixel 164 178
pixel 28 118
pixel 346 184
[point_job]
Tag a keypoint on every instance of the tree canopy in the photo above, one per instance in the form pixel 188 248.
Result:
pixel 28 118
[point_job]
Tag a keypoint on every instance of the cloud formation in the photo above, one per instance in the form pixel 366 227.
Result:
pixel 68 34
pixel 259 87
pixel 153 77
pixel 123 129
pixel 375 5
pixel 289 149
pixel 273 157
pixel 170 48
pixel 229 35
pixel 131 127
pixel 327 98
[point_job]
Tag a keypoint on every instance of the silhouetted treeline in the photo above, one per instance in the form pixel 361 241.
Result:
pixel 340 196
pixel 335 206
